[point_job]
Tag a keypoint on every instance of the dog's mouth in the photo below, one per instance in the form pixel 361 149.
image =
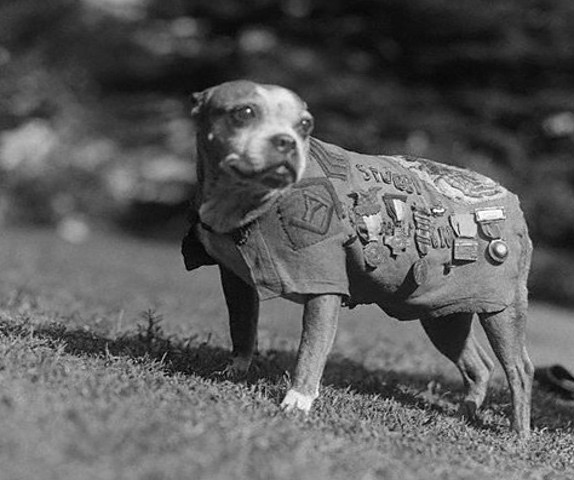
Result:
pixel 276 176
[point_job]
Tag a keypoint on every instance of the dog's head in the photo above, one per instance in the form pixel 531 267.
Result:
pixel 252 134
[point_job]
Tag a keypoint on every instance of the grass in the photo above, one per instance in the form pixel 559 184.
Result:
pixel 107 359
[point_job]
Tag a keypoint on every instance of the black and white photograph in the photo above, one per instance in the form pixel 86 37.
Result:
pixel 286 239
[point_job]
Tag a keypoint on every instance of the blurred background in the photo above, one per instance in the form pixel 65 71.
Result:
pixel 94 116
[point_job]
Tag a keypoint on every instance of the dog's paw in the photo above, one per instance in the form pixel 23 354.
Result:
pixel 468 410
pixel 237 367
pixel 297 401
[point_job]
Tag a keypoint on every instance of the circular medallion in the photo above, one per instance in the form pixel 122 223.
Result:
pixel 498 250
pixel 373 255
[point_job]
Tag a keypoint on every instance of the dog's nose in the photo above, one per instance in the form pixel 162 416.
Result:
pixel 284 143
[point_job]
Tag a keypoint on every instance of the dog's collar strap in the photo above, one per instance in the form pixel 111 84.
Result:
pixel 205 226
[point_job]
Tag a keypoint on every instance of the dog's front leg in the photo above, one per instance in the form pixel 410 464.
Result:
pixel 243 307
pixel 320 318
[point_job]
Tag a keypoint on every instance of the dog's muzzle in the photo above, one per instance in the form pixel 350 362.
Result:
pixel 282 160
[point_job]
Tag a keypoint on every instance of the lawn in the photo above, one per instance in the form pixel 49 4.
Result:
pixel 107 357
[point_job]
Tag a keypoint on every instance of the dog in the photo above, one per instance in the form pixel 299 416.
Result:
pixel 285 214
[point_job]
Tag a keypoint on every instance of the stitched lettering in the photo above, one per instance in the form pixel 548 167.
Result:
pixel 364 171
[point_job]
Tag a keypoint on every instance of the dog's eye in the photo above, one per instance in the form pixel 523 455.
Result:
pixel 243 114
pixel 306 126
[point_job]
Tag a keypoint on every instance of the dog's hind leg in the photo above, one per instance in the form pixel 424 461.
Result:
pixel 243 307
pixel 320 319
pixel 453 337
pixel 506 332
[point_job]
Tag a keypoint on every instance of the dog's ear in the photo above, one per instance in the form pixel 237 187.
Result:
pixel 197 101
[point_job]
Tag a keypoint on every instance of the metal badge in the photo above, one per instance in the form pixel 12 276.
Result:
pixel 367 211
pixel 423 240
pixel 396 207
pixel 399 241
pixel 465 250
pixel 490 214
pixel 498 251
pixel 420 271
pixel 491 221
pixel 463 225
pixel 438 210
pixel 373 254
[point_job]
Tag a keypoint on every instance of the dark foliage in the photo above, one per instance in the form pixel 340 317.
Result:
pixel 488 85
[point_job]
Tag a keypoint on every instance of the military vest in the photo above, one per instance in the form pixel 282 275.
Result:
pixel 418 238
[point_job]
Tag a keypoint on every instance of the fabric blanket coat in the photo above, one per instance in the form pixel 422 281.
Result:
pixel 408 234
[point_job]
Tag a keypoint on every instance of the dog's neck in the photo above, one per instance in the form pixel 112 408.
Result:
pixel 226 207
pixel 227 204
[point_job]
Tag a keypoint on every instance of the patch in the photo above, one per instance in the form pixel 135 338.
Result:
pixel 308 212
pixel 402 182
pixel 465 250
pixel 334 163
pixel 491 221
pixel 453 182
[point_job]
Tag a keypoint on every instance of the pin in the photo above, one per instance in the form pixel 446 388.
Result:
pixel 463 225
pixel 367 209
pixel 399 242
pixel 491 221
pixel 465 250
pixel 396 207
pixel 498 250
pixel 373 254
pixel 438 210
pixel 422 231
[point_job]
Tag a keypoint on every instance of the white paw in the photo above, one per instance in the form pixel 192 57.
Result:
pixel 297 401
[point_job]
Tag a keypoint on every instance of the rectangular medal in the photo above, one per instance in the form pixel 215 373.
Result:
pixel 465 250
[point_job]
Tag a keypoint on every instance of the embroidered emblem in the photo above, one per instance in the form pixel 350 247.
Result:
pixel 310 212
pixel 422 230
pixel 333 162
pixel 317 213
pixel 454 182
pixel 491 221
pixel 402 182
pixel 465 250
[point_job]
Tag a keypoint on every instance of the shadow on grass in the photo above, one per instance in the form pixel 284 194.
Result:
pixel 191 356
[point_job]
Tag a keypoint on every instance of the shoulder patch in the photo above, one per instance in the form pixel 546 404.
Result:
pixel 332 160
pixel 310 213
